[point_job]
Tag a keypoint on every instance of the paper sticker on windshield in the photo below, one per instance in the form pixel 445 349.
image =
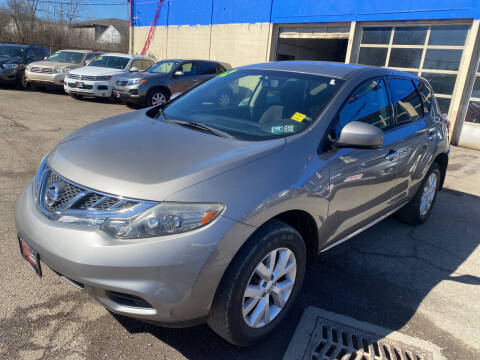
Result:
pixel 299 117
pixel 226 73
pixel 332 82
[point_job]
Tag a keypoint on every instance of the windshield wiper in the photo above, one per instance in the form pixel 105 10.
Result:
pixel 196 125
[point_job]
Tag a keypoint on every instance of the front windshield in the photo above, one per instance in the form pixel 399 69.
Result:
pixel 112 62
pixel 11 51
pixel 67 57
pixel 163 67
pixel 256 105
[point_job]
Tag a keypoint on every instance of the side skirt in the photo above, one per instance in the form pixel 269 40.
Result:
pixel 363 228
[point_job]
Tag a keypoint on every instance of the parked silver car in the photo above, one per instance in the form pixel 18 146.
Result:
pixel 51 72
pixel 193 212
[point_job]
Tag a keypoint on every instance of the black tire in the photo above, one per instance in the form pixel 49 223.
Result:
pixel 411 213
pixel 75 96
pixel 154 92
pixel 226 317
pixel 21 82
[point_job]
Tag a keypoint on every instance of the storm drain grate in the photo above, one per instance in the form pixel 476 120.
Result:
pixel 337 341
pixel 322 335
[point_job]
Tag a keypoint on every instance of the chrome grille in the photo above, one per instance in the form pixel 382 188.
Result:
pixel 58 196
pixel 41 70
pixel 74 76
pixel 88 78
pixel 67 192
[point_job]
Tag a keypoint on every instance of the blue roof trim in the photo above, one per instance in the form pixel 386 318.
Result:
pixel 206 12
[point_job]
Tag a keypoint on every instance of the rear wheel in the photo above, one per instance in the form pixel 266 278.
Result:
pixel 260 285
pixel 157 97
pixel 419 208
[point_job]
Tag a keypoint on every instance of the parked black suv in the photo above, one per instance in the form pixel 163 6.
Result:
pixel 157 84
pixel 13 60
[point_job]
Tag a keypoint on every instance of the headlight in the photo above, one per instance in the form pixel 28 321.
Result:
pixel 10 66
pixel 103 78
pixel 164 219
pixel 37 180
pixel 136 81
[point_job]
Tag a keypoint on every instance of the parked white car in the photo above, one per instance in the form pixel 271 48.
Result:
pixel 98 78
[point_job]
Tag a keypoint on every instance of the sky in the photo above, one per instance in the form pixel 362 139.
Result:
pixel 98 9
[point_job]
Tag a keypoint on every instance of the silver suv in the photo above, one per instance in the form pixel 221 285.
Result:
pixel 193 212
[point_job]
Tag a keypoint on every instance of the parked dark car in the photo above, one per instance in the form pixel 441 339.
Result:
pixel 13 60
pixel 157 84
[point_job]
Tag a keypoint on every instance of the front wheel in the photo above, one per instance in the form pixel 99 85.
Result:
pixel 156 97
pixel 419 208
pixel 260 285
pixel 21 82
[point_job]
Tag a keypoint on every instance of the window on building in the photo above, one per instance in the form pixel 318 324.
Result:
pixel 473 110
pixel 406 100
pixel 431 51
pixel 369 103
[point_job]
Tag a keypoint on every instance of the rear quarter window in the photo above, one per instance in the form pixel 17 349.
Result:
pixel 426 94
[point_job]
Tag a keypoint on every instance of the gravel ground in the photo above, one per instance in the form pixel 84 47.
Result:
pixel 423 281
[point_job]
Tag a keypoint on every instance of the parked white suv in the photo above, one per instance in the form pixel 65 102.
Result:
pixel 98 77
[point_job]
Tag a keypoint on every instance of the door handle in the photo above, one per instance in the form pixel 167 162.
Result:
pixel 392 155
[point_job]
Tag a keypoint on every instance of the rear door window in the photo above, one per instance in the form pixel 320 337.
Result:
pixel 405 98
pixel 206 68
pixel 369 103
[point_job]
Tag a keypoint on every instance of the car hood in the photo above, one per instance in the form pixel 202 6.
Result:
pixel 97 71
pixel 55 65
pixel 133 155
pixel 7 60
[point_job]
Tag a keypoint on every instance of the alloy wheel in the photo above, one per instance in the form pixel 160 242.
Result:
pixel 158 99
pixel 428 194
pixel 269 287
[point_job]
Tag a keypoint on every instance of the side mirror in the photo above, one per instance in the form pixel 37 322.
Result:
pixel 175 95
pixel 134 69
pixel 360 135
pixel 178 73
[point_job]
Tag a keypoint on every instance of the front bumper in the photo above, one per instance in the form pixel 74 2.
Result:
pixel 45 79
pixel 128 97
pixel 89 88
pixel 132 94
pixel 176 275
pixel 8 75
